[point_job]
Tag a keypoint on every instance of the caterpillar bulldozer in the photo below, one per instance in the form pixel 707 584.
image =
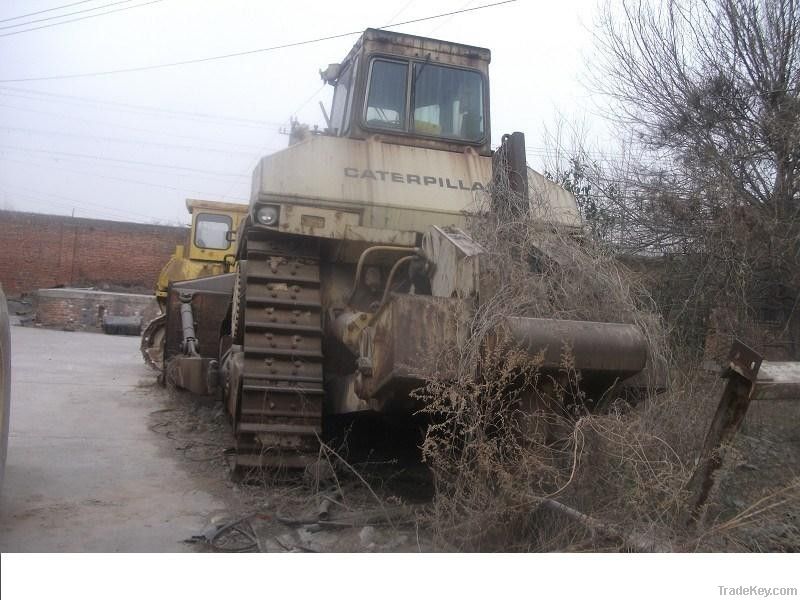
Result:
pixel 353 266
pixel 211 251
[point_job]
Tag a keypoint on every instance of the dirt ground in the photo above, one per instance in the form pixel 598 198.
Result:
pixel 764 460
pixel 103 459
pixel 84 472
pixel 366 507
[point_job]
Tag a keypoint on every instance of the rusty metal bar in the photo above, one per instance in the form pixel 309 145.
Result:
pixel 615 348
pixel 742 373
pixel 363 259
pixel 187 324
pixel 390 279
pixel 510 173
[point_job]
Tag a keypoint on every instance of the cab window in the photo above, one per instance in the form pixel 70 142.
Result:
pixel 445 101
pixel 340 100
pixel 210 231
pixel 348 109
pixel 386 101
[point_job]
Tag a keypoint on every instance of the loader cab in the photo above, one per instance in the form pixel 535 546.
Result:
pixel 213 229
pixel 412 91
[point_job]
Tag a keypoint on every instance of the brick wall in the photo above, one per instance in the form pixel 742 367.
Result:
pixel 84 309
pixel 45 251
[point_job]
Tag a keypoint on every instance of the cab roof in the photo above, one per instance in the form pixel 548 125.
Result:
pixel 192 205
pixel 425 45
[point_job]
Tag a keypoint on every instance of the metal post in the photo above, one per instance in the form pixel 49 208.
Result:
pixel 742 372
pixel 510 175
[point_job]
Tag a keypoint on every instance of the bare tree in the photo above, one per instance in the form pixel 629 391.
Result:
pixel 713 84
pixel 710 90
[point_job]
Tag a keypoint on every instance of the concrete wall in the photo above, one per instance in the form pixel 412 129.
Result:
pixel 84 309
pixel 45 251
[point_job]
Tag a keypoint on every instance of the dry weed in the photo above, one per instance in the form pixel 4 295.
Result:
pixel 513 449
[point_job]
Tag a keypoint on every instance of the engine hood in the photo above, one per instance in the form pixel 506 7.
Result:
pixel 394 186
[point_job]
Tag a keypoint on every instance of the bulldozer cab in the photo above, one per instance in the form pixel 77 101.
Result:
pixel 214 225
pixel 412 91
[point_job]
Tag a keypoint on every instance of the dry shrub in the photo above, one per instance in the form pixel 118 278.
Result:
pixel 507 438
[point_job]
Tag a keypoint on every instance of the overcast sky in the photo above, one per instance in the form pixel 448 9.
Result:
pixel 132 146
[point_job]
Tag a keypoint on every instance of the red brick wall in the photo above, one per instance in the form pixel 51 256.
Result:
pixel 81 309
pixel 43 251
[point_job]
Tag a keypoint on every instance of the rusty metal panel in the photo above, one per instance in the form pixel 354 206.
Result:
pixel 744 360
pixel 319 222
pixel 392 42
pixel 550 203
pixel 210 303
pixel 410 334
pixel 192 373
pixel 457 259
pixel 386 237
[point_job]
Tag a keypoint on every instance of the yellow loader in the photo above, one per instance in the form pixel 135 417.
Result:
pixel 211 250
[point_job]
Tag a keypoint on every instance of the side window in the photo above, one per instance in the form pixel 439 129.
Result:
pixel 341 100
pixel 386 100
pixel 210 231
pixel 348 111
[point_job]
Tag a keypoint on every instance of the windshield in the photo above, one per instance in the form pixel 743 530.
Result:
pixel 448 102
pixel 445 101
pixel 210 231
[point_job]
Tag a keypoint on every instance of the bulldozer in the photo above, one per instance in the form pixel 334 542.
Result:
pixel 353 265
pixel 211 251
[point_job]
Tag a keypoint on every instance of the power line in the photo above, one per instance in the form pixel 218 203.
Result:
pixel 121 160
pixel 108 12
pixel 435 28
pixel 70 207
pixel 159 172
pixel 116 140
pixel 401 11
pixel 77 12
pixel 309 99
pixel 161 132
pixel 70 203
pixel 124 106
pixel 39 12
pixel 113 178
pixel 592 154
pixel 248 52
pixel 73 201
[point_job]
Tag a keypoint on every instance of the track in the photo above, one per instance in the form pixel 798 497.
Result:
pixel 279 413
pixel 152 345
